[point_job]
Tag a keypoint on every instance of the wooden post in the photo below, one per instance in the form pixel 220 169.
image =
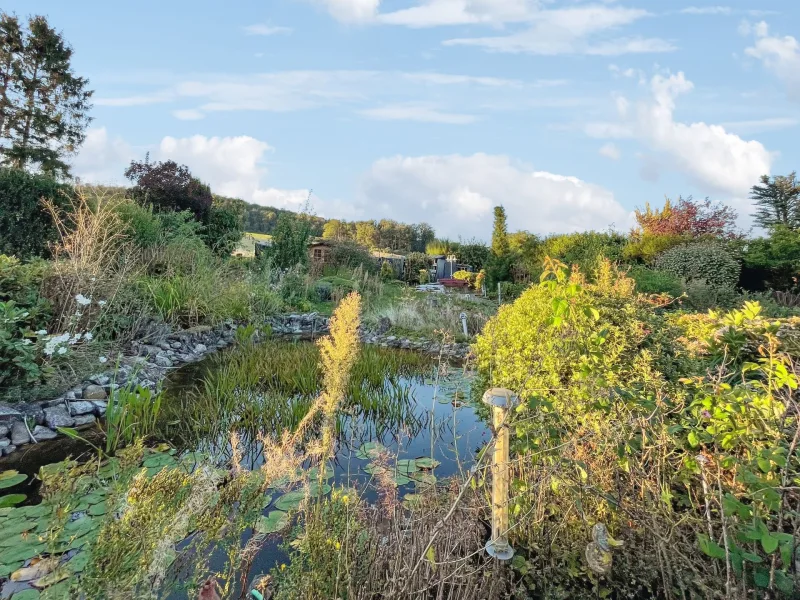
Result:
pixel 499 297
pixel 501 400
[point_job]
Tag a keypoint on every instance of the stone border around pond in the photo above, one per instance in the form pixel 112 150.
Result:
pixel 147 364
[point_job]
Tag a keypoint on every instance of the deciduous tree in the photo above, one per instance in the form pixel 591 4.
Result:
pixel 168 186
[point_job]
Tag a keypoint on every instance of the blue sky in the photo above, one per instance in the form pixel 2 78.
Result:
pixel 569 113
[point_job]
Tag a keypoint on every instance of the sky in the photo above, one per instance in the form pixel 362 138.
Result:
pixel 570 113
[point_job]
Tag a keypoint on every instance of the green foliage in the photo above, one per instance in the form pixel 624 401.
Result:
pixel 474 254
pixel 424 276
pixel 415 262
pixel 26 230
pixel 351 255
pixel 222 232
pixel 132 414
pixel 442 246
pixel 290 242
pixel 652 281
pixel 387 271
pixel 465 276
pixel 647 246
pixel 774 260
pixel 778 202
pixel 702 261
pixel 44 109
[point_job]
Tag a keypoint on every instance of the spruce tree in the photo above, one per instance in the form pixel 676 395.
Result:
pixel 778 201
pixel 43 105
pixel 499 266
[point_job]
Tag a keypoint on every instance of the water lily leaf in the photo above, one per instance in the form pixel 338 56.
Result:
pixel 427 463
pixel 34 512
pixel 407 465
pixel 26 595
pixel 412 501
pixel 370 450
pixel 424 478
pixel 11 500
pixel 400 479
pixel 94 497
pixel 315 490
pixel 290 501
pixel 8 568
pixel 313 473
pixel 18 527
pixel 22 551
pixel 110 470
pixel 273 522
pixel 59 591
pixel 159 460
pixel 78 562
pixel 10 479
pixel 82 524
pixel 374 469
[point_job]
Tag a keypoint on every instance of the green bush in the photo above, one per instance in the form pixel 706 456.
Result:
pixel 646 247
pixel 26 229
pixel 350 255
pixel 222 232
pixel 510 291
pixel 387 271
pixel 141 224
pixel 708 261
pixel 474 254
pixel 415 262
pixel 651 281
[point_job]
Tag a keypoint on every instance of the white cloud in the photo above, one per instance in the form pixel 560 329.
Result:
pixel 449 79
pixel 708 154
pixel 138 100
pixel 265 29
pixel 232 166
pixel 102 159
pixel 610 150
pixel 706 10
pixel 457 193
pixel 416 112
pixel 570 31
pixel 780 55
pixel 351 11
pixel 188 114
pixel 431 13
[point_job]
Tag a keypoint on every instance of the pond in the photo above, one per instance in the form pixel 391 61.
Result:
pixel 402 408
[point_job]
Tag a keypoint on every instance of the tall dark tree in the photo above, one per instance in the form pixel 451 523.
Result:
pixel 778 201
pixel 498 267
pixel 500 246
pixel 44 106
pixel 168 186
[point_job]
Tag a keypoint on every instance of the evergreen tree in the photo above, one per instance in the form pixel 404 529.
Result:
pixel 499 265
pixel 43 105
pixel 290 241
pixel 778 201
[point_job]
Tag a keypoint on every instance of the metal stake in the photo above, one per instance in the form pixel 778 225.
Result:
pixel 501 400
pixel 463 317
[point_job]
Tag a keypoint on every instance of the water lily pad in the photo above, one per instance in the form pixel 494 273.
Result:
pixel 427 463
pixel 17 527
pixel 11 500
pixel 8 568
pixel 267 500
pixel 374 469
pixel 158 460
pixel 400 479
pixel 370 450
pixel 52 578
pixel 34 512
pixel 273 522
pixel 109 470
pixel 78 562
pixel 313 473
pixel 412 501
pixel 22 551
pixel 10 479
pixel 407 465
pixel 315 490
pixel 59 591
pixel 424 478
pixel 83 524
pixel 290 501
pixel 26 595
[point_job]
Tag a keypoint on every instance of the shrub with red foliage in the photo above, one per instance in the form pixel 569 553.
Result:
pixel 169 186
pixel 689 218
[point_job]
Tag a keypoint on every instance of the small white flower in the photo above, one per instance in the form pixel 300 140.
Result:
pixel 82 300
pixel 74 339
pixel 42 332
pixel 101 302
pixel 94 278
pixel 103 359
pixel 88 336
pixel 26 342
pixel 62 350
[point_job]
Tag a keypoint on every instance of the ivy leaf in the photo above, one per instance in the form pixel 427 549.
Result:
pixel 693 440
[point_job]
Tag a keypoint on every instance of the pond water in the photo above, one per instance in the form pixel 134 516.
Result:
pixel 398 401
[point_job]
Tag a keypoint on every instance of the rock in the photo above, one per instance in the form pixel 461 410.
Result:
pixel 384 325
pixel 200 348
pixel 176 345
pixel 9 449
pixel 70 395
pixel 41 433
pixel 82 407
pixel 100 379
pixel 84 420
pixel 58 417
pixel 32 412
pixel 163 361
pixel 100 407
pixel 94 392
pixel 164 345
pixel 4 443
pixel 4 429
pixel 19 434
pixel 78 392
pixel 9 413
pixel 198 329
